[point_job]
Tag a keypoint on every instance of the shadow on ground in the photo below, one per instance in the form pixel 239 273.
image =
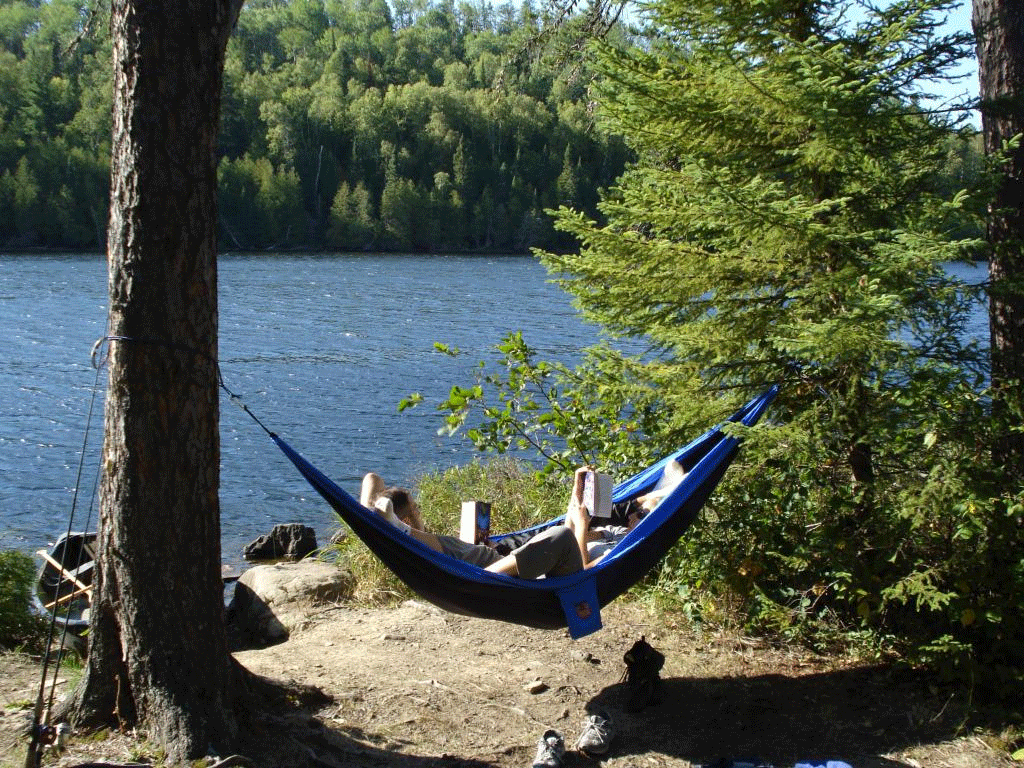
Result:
pixel 280 730
pixel 856 715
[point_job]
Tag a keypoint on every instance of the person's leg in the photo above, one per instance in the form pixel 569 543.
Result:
pixel 372 487
pixel 553 552
pixel 564 553
pixel 512 541
pixel 507 565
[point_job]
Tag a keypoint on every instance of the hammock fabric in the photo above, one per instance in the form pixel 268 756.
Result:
pixel 572 601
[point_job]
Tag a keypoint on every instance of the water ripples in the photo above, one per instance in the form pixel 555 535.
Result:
pixel 320 348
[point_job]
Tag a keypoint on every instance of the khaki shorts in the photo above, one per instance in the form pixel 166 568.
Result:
pixel 553 552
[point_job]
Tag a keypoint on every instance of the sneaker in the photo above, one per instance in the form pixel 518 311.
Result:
pixel 597 734
pixel 550 750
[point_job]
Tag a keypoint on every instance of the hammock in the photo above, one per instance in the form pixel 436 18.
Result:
pixel 572 601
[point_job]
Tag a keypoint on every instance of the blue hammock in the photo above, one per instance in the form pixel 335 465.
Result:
pixel 572 601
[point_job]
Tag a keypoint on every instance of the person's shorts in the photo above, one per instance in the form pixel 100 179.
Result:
pixel 552 552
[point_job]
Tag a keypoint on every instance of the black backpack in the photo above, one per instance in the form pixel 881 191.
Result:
pixel 643 661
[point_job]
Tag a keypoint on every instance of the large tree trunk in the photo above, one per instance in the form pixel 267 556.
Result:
pixel 999 29
pixel 158 655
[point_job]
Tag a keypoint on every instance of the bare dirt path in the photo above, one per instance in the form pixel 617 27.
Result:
pixel 414 686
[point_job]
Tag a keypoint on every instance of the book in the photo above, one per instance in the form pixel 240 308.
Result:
pixel 597 494
pixel 476 521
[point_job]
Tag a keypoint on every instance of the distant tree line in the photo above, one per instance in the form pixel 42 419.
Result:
pixel 346 125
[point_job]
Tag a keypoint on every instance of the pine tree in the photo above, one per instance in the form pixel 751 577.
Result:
pixel 783 226
pixel 26 194
pixel 350 223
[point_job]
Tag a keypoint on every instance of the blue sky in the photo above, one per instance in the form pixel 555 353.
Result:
pixel 959 20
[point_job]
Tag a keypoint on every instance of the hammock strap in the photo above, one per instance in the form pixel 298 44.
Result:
pixel 582 608
pixel 235 399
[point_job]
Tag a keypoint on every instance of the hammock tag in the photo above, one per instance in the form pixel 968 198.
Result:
pixel 582 609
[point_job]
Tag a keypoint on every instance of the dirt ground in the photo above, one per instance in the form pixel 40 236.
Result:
pixel 413 686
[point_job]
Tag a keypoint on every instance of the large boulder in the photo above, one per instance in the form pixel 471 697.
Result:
pixel 271 601
pixel 287 541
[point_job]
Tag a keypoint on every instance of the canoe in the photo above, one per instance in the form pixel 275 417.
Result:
pixel 64 583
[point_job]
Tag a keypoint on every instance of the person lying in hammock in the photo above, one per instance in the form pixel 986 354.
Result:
pixel 555 551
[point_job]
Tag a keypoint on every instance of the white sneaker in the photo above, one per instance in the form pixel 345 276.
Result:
pixel 597 734
pixel 550 750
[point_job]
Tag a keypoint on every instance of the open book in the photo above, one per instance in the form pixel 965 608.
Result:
pixel 597 494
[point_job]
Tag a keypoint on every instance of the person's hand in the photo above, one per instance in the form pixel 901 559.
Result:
pixel 578 482
pixel 577 515
pixel 384 507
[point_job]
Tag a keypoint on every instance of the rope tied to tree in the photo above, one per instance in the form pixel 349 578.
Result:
pixel 99 362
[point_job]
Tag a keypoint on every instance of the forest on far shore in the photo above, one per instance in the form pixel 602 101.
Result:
pixel 348 125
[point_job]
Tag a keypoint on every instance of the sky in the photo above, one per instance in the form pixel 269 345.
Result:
pixel 959 20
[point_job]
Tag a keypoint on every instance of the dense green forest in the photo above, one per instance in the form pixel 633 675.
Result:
pixel 346 125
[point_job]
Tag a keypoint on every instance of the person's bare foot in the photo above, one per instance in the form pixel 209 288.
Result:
pixel 372 487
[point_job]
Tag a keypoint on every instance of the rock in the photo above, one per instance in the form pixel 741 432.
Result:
pixel 271 601
pixel 287 541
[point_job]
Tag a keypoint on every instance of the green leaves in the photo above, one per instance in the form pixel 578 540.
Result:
pixel 520 404
pixel 343 125
pixel 20 626
pixel 410 402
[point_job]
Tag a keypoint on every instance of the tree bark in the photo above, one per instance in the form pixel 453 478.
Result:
pixel 158 655
pixel 999 30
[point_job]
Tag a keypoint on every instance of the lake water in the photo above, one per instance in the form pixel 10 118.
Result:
pixel 321 349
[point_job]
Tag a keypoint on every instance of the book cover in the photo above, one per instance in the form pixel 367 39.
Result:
pixel 597 494
pixel 476 521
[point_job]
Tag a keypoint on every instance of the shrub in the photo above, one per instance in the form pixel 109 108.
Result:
pixel 19 625
pixel 518 497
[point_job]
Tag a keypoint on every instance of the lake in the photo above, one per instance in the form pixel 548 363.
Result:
pixel 321 349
